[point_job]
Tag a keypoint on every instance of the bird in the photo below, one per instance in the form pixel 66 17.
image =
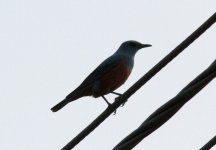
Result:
pixel 108 76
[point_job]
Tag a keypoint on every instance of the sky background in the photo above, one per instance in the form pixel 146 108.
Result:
pixel 48 47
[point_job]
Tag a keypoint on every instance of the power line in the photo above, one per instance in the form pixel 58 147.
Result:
pixel 165 112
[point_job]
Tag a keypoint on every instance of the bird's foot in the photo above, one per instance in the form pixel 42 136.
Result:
pixel 123 103
pixel 109 104
pixel 114 113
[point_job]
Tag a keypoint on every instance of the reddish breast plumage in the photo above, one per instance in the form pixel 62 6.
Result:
pixel 115 77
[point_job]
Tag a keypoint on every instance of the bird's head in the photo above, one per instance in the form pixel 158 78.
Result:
pixel 131 47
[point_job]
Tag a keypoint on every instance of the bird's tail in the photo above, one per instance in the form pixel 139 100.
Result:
pixel 60 105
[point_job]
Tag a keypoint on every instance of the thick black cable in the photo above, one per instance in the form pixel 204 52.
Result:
pixel 210 144
pixel 165 112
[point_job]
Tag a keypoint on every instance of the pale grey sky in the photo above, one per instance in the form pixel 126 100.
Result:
pixel 47 48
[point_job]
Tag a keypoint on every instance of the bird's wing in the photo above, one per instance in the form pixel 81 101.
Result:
pixel 106 66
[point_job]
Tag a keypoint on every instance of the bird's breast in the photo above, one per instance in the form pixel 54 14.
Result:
pixel 115 77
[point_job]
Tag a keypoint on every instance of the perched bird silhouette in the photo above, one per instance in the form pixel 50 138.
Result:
pixel 108 76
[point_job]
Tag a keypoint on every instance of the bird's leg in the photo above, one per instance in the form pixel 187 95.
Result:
pixel 116 93
pixel 108 103
pixel 106 100
pixel 119 95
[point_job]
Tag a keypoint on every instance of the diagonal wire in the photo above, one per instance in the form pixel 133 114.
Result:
pixel 165 112
pixel 210 144
pixel 122 99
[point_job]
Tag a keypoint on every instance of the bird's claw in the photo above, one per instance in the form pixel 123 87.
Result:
pixel 114 113
pixel 123 104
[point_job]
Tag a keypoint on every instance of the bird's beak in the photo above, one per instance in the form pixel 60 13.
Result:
pixel 146 45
